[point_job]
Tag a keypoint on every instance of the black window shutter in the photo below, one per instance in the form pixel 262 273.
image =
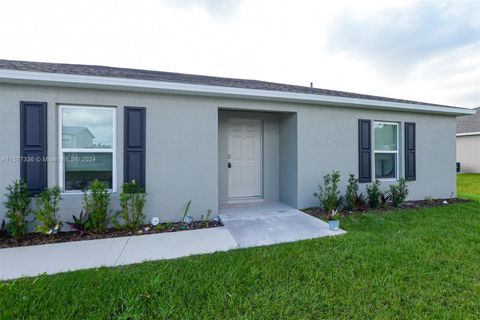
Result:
pixel 364 151
pixel 33 145
pixel 410 147
pixel 134 145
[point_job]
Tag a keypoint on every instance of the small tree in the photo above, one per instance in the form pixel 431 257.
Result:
pixel 132 201
pixel 95 204
pixel 18 208
pixel 398 192
pixel 373 191
pixel 47 208
pixel 328 194
pixel 351 196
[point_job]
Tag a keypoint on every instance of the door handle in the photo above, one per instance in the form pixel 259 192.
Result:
pixel 229 165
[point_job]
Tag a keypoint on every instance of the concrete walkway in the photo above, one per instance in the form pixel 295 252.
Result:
pixel 243 227
pixel 60 257
pixel 267 224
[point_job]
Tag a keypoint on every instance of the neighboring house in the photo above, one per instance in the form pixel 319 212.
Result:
pixel 73 137
pixel 215 141
pixel 468 142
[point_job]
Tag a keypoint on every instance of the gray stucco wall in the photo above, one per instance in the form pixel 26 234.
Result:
pixel 468 153
pixel 288 159
pixel 183 146
pixel 328 140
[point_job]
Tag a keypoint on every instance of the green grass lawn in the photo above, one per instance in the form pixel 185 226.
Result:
pixel 468 186
pixel 415 264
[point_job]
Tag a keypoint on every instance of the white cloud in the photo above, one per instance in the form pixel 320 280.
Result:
pixel 281 41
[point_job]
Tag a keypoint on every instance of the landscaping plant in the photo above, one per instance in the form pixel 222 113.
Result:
pixel 3 229
pixel 428 199
pixel 132 201
pixel 206 219
pixel 187 208
pixel 95 204
pixel 79 223
pixel 46 210
pixel 328 194
pixel 384 197
pixel 398 192
pixel 373 191
pixel 353 200
pixel 334 216
pixel 18 208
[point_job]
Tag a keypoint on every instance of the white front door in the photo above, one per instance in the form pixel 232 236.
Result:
pixel 244 158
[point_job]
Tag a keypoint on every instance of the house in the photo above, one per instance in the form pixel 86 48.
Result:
pixel 468 142
pixel 215 141
pixel 77 136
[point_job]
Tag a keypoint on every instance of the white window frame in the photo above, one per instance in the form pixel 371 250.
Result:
pixel 61 150
pixel 397 152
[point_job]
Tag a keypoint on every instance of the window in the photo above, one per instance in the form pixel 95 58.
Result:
pixel 87 147
pixel 386 150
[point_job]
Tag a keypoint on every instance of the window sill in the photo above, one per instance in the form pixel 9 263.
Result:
pixel 77 193
pixel 388 180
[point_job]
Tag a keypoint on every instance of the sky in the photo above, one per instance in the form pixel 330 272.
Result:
pixel 418 50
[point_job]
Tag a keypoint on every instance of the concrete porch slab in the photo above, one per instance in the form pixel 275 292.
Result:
pixel 272 223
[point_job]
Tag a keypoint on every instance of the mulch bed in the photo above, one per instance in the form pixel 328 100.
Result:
pixel 407 205
pixel 32 239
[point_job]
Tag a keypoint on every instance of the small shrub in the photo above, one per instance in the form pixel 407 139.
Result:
pixel 132 201
pixel 95 204
pixel 206 219
pixel 159 227
pixel 46 209
pixel 351 196
pixel 328 194
pixel 398 192
pixel 79 223
pixel 428 200
pixel 373 191
pixel 361 202
pixel 18 208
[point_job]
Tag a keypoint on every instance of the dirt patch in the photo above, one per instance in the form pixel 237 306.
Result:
pixel 32 239
pixel 407 205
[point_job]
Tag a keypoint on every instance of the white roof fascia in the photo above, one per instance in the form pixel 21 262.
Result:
pixel 96 82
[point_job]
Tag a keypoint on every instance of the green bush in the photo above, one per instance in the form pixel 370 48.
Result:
pixel 328 194
pixel 95 205
pixel 351 196
pixel 373 192
pixel 18 208
pixel 47 208
pixel 206 219
pixel 132 201
pixel 398 192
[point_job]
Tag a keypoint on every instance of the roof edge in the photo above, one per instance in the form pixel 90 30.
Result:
pixel 97 82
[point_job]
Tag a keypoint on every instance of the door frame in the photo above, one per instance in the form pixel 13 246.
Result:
pixel 261 162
